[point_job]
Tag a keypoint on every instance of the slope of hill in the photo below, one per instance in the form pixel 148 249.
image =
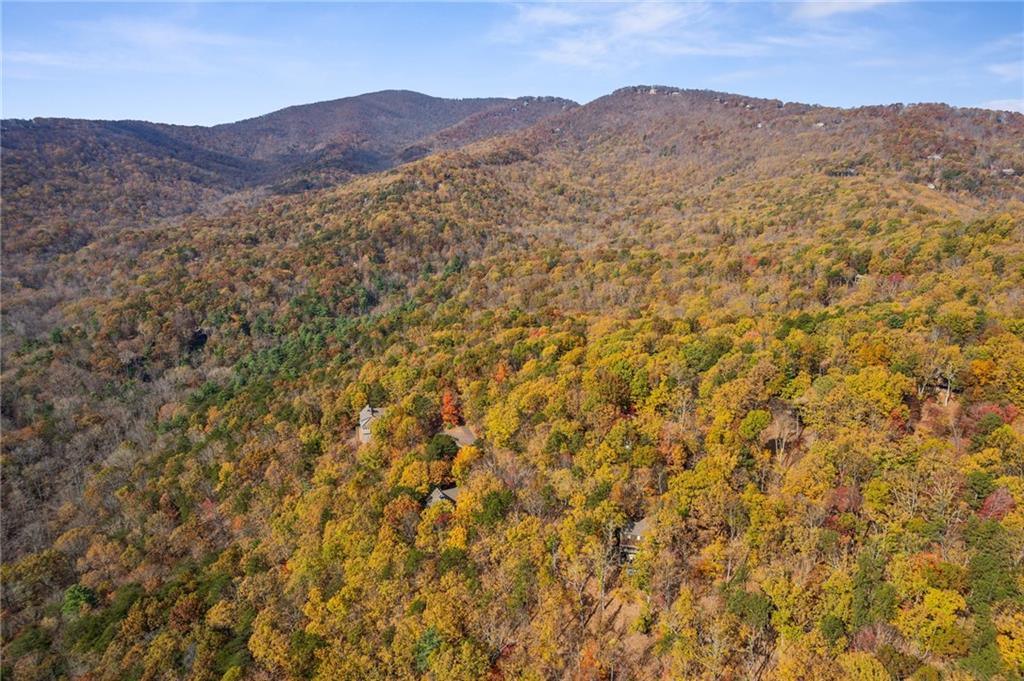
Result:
pixel 64 178
pixel 789 337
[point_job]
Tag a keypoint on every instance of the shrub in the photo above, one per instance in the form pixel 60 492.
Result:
pixel 493 507
pixel 76 598
pixel 755 609
pixel 753 423
pixel 442 447
pixel 429 642
pixel 832 628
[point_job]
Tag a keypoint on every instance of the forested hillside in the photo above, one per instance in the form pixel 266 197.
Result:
pixel 788 338
pixel 66 179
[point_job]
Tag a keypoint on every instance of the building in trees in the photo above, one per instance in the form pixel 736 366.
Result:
pixel 463 435
pixel 630 537
pixel 366 418
pixel 438 494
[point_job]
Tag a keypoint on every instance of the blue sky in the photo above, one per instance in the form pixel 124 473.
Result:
pixel 209 63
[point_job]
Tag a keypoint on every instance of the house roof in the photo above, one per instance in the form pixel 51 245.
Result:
pixel 450 494
pixel 463 435
pixel 638 528
pixel 368 414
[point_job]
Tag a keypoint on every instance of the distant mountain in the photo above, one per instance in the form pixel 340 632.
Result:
pixel 715 137
pixel 69 176
pixel 381 123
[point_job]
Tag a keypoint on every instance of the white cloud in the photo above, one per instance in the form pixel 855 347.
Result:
pixel 647 18
pixel 47 59
pixel 816 10
pixel 547 15
pixel 120 45
pixel 848 39
pixel 1013 70
pixel 1005 105
pixel 698 46
pixel 593 35
pixel 616 35
pixel 537 19
pixel 1008 43
pixel 29 64
pixel 156 34
pixel 581 51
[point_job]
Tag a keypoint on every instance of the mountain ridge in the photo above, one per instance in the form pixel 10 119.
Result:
pixel 139 169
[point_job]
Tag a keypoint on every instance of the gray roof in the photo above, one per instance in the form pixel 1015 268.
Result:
pixel 450 494
pixel 367 415
pixel 638 528
pixel 463 435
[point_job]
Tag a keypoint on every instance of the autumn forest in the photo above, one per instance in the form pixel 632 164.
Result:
pixel 675 384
